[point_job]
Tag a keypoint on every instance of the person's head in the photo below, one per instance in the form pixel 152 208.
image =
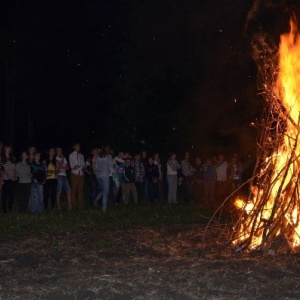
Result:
pixel 127 155
pixel 187 155
pixel 59 151
pixel 24 156
pixel 37 156
pixel 144 155
pixel 51 152
pixel 94 152
pixel 198 161
pixel 221 157
pixel 31 151
pixel 150 160
pixel 173 155
pixel 156 156
pixel 7 150
pixel 137 157
pixel 121 154
pixel 107 150
pixel 234 158
pixel 209 160
pixel 127 162
pixel 76 147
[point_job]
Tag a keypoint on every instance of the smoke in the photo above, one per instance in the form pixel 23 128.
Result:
pixel 270 16
pixel 265 22
pixel 262 6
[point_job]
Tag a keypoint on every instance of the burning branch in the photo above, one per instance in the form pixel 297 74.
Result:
pixel 269 218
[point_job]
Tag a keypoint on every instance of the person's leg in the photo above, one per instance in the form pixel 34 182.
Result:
pixel 155 191
pixel 169 179
pixel 74 188
pixel 173 189
pixel 11 195
pixel 47 188
pixel 53 190
pixel 146 190
pixel 66 187
pixel 111 190
pixel 126 188
pixel 41 197
pixel 22 187
pixel 134 193
pixel 187 189
pixel 139 189
pixel 94 189
pixel 4 196
pixel 150 191
pixel 160 191
pixel 26 195
pixel 80 191
pixel 105 181
pixel 100 191
pixel 59 190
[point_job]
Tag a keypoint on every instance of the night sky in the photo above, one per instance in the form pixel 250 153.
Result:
pixel 159 75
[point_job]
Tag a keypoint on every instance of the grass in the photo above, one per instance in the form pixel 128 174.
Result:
pixel 14 225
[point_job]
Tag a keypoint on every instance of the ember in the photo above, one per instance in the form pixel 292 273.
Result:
pixel 269 218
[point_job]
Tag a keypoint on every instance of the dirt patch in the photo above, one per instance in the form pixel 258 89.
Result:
pixel 142 263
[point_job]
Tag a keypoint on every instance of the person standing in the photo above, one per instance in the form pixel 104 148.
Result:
pixel 152 175
pixel 38 180
pixel 172 167
pixel 198 178
pixel 103 171
pixel 188 172
pixel 31 152
pixel 129 184
pixel 24 175
pixel 221 174
pixel 77 166
pixel 1 167
pixel 139 172
pixel 62 179
pixel 51 179
pixel 9 179
pixel 209 177
pixel 235 171
pixel 90 170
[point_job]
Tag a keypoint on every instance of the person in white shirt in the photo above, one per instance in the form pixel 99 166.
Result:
pixel 221 168
pixel 77 165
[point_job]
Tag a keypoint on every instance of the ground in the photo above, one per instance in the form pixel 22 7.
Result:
pixel 168 262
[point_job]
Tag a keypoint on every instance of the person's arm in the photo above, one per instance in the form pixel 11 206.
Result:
pixel 73 162
pixel 185 168
pixel 18 169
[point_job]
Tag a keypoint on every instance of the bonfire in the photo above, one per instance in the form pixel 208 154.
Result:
pixel 269 218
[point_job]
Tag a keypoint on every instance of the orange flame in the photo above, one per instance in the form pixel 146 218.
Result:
pixel 287 89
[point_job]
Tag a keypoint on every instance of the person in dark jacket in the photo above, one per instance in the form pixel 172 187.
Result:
pixel 38 180
pixel 129 182
pixel 152 176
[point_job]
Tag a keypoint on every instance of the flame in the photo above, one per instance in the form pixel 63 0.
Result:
pixel 287 90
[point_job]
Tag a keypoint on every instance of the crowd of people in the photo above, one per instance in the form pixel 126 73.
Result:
pixel 125 178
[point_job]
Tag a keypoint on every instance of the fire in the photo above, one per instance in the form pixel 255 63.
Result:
pixel 272 210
